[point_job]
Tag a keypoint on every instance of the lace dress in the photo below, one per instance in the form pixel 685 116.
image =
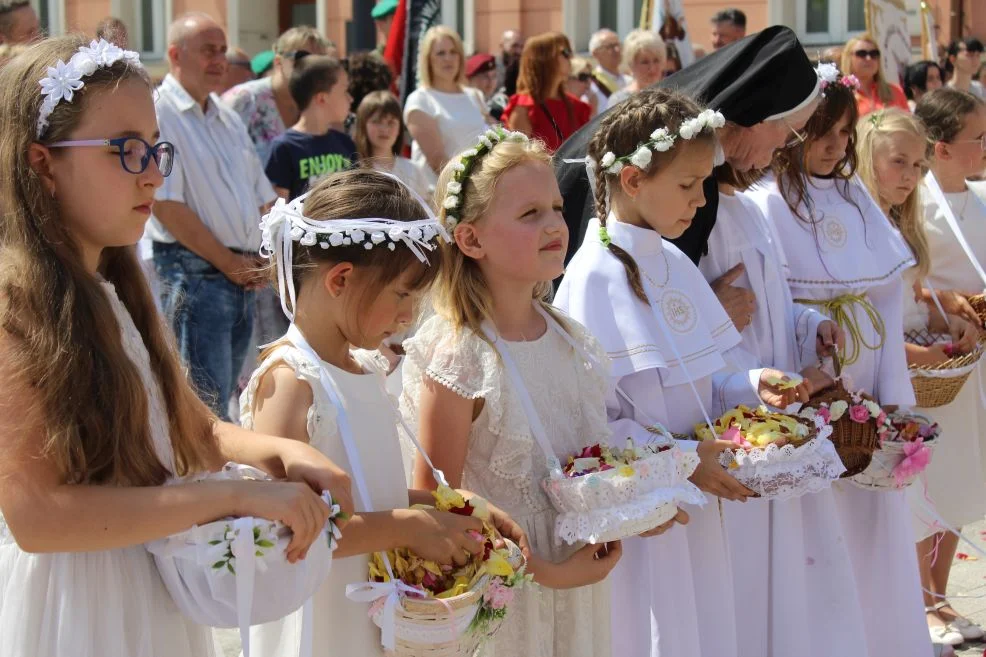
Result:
pixel 110 603
pixel 341 627
pixel 505 464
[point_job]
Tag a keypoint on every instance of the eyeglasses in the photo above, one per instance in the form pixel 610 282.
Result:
pixel 798 138
pixel 135 153
pixel 610 46
pixel 296 55
pixel 583 76
pixel 981 141
pixel 566 53
pixel 868 54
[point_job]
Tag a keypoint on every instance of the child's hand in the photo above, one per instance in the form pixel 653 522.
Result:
pixel 293 504
pixel 442 537
pixel 710 476
pixel 775 389
pixel 304 463
pixel 505 525
pixel 589 565
pixel 816 379
pixel 681 518
pixel 964 336
pixel 830 336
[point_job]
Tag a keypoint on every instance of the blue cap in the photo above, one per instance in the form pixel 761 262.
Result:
pixel 261 62
pixel 383 9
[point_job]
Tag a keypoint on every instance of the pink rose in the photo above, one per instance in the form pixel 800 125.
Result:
pixel 858 413
pixel 825 414
pixel 498 596
pixel 881 419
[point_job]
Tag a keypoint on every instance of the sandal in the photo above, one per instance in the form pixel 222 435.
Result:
pixel 945 635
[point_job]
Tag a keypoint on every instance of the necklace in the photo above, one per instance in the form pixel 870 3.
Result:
pixel 965 202
pixel 667 272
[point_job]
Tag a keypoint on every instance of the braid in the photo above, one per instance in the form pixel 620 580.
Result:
pixel 620 133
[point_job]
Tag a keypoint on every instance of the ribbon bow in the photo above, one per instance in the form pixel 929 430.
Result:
pixel 916 459
pixel 392 591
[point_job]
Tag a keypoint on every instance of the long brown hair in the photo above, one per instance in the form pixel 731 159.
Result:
pixel 790 164
pixel 539 68
pixel 377 103
pixel 621 133
pixel 65 339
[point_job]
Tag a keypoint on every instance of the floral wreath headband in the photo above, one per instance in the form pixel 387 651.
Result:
pixel 830 76
pixel 452 203
pixel 286 224
pixel 64 79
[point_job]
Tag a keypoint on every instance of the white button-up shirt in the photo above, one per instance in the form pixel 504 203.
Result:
pixel 217 172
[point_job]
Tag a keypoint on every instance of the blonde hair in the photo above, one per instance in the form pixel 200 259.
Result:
pixel 64 336
pixel 461 294
pixel 882 87
pixel 424 54
pixel 296 38
pixel 874 133
pixel 639 41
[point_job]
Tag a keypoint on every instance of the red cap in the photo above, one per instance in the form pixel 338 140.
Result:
pixel 480 63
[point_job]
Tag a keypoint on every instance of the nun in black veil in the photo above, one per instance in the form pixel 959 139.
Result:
pixel 758 83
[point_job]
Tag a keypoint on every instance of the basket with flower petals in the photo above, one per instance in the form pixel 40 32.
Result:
pixel 903 455
pixel 940 384
pixel 607 493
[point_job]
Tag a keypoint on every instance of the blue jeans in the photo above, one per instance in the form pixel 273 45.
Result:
pixel 212 318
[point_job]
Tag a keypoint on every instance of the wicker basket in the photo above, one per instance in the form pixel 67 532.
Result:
pixel 880 473
pixel 978 303
pixel 426 627
pixel 855 442
pixel 940 384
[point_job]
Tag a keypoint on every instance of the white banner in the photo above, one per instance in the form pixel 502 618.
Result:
pixel 886 20
pixel 663 8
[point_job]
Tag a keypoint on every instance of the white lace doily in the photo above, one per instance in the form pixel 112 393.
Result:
pixel 787 472
pixel 879 473
pixel 599 504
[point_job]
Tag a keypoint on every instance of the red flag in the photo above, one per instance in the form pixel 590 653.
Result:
pixel 393 52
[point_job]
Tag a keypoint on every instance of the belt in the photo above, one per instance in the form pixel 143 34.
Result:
pixel 842 310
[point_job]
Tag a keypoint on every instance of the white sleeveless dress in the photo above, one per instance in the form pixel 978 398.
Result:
pixel 505 465
pixel 110 603
pixel 341 627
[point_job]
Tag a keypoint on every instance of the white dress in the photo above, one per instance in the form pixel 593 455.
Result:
pixel 342 627
pixel 460 116
pixel 955 477
pixel 410 174
pixel 110 603
pixel 847 254
pixel 672 594
pixel 790 554
pixel 505 464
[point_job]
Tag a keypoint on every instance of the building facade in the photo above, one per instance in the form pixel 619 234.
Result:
pixel 254 24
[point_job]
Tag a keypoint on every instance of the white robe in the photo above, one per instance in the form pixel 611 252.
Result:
pixel 672 595
pixel 790 557
pixel 847 254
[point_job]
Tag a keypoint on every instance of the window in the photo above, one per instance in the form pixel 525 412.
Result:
pixel 49 16
pixel 621 16
pixel 830 21
pixel 459 15
pixel 150 24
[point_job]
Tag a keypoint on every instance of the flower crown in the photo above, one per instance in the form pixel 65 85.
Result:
pixel 286 224
pixel 452 203
pixel 829 75
pixel 63 80
pixel 661 140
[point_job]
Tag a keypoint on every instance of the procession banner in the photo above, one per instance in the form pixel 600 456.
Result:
pixel 929 37
pixel 667 18
pixel 886 21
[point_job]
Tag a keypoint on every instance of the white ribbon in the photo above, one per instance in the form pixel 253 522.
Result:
pixel 244 551
pixel 373 591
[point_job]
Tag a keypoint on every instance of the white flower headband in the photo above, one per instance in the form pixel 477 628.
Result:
pixel 63 80
pixel 829 74
pixel 452 203
pixel 286 224
pixel 661 141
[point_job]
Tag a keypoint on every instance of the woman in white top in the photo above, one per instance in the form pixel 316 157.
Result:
pixel 443 115
pixel 644 55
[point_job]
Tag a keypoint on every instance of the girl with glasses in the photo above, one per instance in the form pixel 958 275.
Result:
pixel 861 57
pixel 541 108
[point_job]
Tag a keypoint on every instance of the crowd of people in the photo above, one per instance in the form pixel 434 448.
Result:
pixel 534 252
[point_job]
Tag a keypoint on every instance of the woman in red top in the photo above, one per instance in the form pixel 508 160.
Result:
pixel 541 108
pixel 861 57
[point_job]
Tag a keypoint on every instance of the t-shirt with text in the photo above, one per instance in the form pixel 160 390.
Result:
pixel 298 160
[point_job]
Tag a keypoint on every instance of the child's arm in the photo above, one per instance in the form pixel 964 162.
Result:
pixel 444 425
pixel 589 565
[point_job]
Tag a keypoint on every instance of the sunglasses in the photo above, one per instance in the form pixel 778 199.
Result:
pixel 582 77
pixel 868 54
pixel 296 55
pixel 566 53
pixel 135 153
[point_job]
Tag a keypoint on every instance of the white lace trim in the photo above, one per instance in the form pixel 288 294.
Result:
pixel 787 472
pixel 879 473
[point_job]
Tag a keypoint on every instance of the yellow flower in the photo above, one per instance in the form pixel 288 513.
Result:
pixel 461 586
pixel 626 471
pixel 497 565
pixel 447 498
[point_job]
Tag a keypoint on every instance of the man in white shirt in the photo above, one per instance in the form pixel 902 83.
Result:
pixel 205 229
pixel 963 63
pixel 605 48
